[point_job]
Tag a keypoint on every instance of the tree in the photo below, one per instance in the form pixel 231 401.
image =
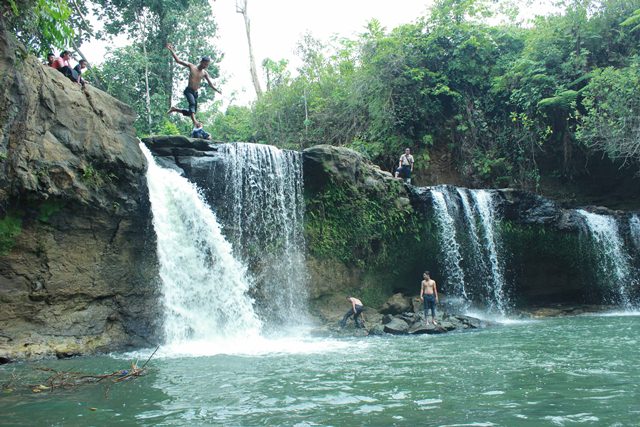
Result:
pixel 151 24
pixel 611 123
pixel 40 24
pixel 241 8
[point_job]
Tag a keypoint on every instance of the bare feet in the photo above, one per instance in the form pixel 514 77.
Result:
pixel 172 110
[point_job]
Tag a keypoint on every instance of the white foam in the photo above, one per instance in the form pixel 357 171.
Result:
pixel 246 346
pixel 498 318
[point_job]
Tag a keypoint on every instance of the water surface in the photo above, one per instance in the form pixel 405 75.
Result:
pixel 552 372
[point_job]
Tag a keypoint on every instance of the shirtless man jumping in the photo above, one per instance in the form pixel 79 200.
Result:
pixel 429 295
pixel 196 74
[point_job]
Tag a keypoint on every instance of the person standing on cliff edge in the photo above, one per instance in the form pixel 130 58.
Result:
pixel 405 166
pixel 429 295
pixel 196 74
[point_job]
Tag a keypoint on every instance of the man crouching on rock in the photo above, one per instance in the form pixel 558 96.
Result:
pixel 355 311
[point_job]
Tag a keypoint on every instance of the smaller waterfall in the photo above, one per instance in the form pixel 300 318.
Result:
pixel 449 244
pixel 204 286
pixel 634 227
pixel 487 214
pixel 613 260
pixel 476 258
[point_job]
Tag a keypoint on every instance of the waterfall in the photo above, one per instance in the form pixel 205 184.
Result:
pixel 487 215
pixel 259 201
pixel 475 254
pixel 449 244
pixel 204 287
pixel 613 260
pixel 634 228
pixel 469 245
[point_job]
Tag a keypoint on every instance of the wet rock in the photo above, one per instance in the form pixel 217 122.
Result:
pixel 396 327
pixel 178 143
pixel 469 322
pixel 431 329
pixel 408 317
pixel 377 330
pixel 396 304
pixel 387 318
pixel 447 326
pixel 74 176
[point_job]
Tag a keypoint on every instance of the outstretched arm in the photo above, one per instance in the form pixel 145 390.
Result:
pixel 206 76
pixel 178 60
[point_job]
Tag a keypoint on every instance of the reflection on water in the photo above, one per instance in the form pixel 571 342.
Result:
pixel 554 372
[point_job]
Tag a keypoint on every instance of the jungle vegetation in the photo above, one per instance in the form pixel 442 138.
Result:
pixel 506 99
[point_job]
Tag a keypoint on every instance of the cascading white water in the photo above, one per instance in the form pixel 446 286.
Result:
pixel 204 286
pixel 449 243
pixel 634 227
pixel 613 260
pixel 476 252
pixel 262 210
pixel 486 211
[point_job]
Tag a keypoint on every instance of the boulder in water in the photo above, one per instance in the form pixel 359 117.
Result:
pixel 397 304
pixel 396 327
pixel 377 330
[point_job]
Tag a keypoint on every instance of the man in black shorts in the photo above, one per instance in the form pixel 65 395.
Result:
pixel 196 74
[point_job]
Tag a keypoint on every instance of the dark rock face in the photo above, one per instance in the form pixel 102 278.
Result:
pixel 397 304
pixel 397 326
pixel 78 272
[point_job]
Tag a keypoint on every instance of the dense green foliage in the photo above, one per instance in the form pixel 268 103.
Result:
pixel 144 74
pixel 40 24
pixel 346 223
pixel 508 102
pixel 10 228
pixel 377 232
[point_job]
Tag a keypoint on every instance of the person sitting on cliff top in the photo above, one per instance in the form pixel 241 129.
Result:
pixel 196 74
pixel 355 311
pixel 198 132
pixel 63 65
pixel 51 59
pixel 78 69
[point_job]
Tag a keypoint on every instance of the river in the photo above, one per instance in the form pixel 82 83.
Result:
pixel 555 371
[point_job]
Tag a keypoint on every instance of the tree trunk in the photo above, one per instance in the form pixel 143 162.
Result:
pixel 241 7
pixel 142 25
pixel 146 84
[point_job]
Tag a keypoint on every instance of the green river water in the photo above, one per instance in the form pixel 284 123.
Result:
pixel 552 372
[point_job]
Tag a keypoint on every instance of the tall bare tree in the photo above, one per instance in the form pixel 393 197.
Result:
pixel 241 7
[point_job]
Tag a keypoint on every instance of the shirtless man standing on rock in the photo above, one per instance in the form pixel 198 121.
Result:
pixel 429 295
pixel 196 74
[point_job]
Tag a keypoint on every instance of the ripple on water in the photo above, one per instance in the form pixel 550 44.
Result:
pixel 562 420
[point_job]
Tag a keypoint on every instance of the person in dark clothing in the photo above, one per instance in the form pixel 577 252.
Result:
pixel 198 132
pixel 355 311
pixel 78 69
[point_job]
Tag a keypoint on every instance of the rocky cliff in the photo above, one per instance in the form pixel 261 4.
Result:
pixel 77 255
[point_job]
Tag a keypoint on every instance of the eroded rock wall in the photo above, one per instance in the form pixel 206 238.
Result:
pixel 77 253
